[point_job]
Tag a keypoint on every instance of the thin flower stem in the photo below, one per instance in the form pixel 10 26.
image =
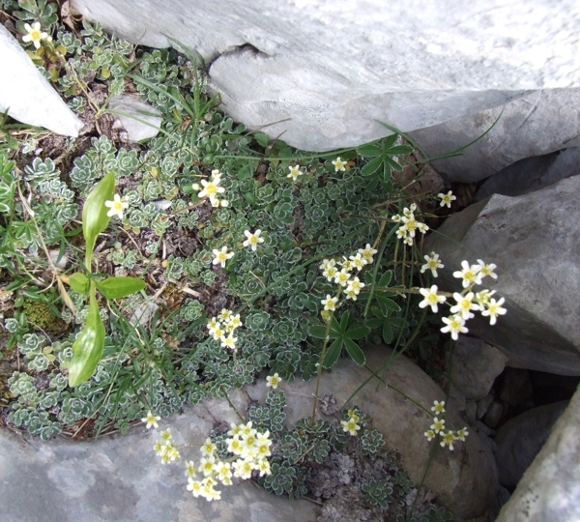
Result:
pixel 319 369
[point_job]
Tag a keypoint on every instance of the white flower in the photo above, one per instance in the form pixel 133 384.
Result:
pixel 432 264
pixel 151 420
pixel 342 277
pixel 431 298
pixel 367 252
pixel 487 270
pixel 430 434
pixel 330 303
pixel 221 256
pixel 464 305
pixel 117 206
pixel 438 407
pixel 34 34
pixel 455 326
pixel 446 199
pixel 493 309
pixel 469 273
pixel 339 164
pixel 229 342
pixel 273 381
pixel 438 425
pixel 355 285
pixel 294 172
pixel 461 434
pixel 253 239
pixel 448 439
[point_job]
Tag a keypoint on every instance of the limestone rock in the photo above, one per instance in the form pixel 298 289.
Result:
pixel 138 118
pixel 463 480
pixel 539 123
pixel 321 73
pixel 535 242
pixel 26 94
pixel 119 478
pixel 532 174
pixel 550 487
pixel 520 439
pixel 476 364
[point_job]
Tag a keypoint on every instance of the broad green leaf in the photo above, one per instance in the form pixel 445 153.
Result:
pixel 344 320
pixel 319 332
pixel 355 352
pixel 369 151
pixel 372 166
pixel 95 218
pixel 332 354
pixel 118 287
pixel 385 279
pixel 388 332
pixel 377 322
pixel 357 332
pixel 400 150
pixel 79 283
pixel 88 346
pixel 388 304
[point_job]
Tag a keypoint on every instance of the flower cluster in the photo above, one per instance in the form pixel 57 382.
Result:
pixel 251 450
pixel 467 301
pixel 448 437
pixel 165 448
pixel 212 189
pixel 410 225
pixel 344 273
pixel 351 425
pixel 222 328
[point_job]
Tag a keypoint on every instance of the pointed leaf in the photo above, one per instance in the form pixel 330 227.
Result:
pixel 355 352
pixel 357 332
pixel 369 151
pixel 332 354
pixel 88 346
pixel 388 333
pixel 95 218
pixel 372 166
pixel 344 320
pixel 375 323
pixel 319 332
pixel 385 279
pixel 79 283
pixel 388 304
pixel 118 287
pixel 389 141
pixel 399 150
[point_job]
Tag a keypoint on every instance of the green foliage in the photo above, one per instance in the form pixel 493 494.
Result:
pixel 377 493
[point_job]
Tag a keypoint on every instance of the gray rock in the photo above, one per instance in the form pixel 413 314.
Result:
pixel 532 174
pixel 26 94
pixel 520 439
pixel 538 123
pixel 475 366
pixel 535 242
pixel 121 478
pixel 494 414
pixel 321 74
pixel 462 480
pixel 138 118
pixel 483 405
pixel 550 487
pixel 118 478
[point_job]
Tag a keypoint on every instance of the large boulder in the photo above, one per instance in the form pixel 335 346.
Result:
pixel 535 242
pixel 27 96
pixel 463 480
pixel 321 73
pixel 550 487
pixel 538 123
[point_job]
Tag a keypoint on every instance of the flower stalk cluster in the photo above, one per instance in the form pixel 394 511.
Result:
pixel 344 274
pixel 222 328
pixel 410 225
pixel 467 301
pixel 437 429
